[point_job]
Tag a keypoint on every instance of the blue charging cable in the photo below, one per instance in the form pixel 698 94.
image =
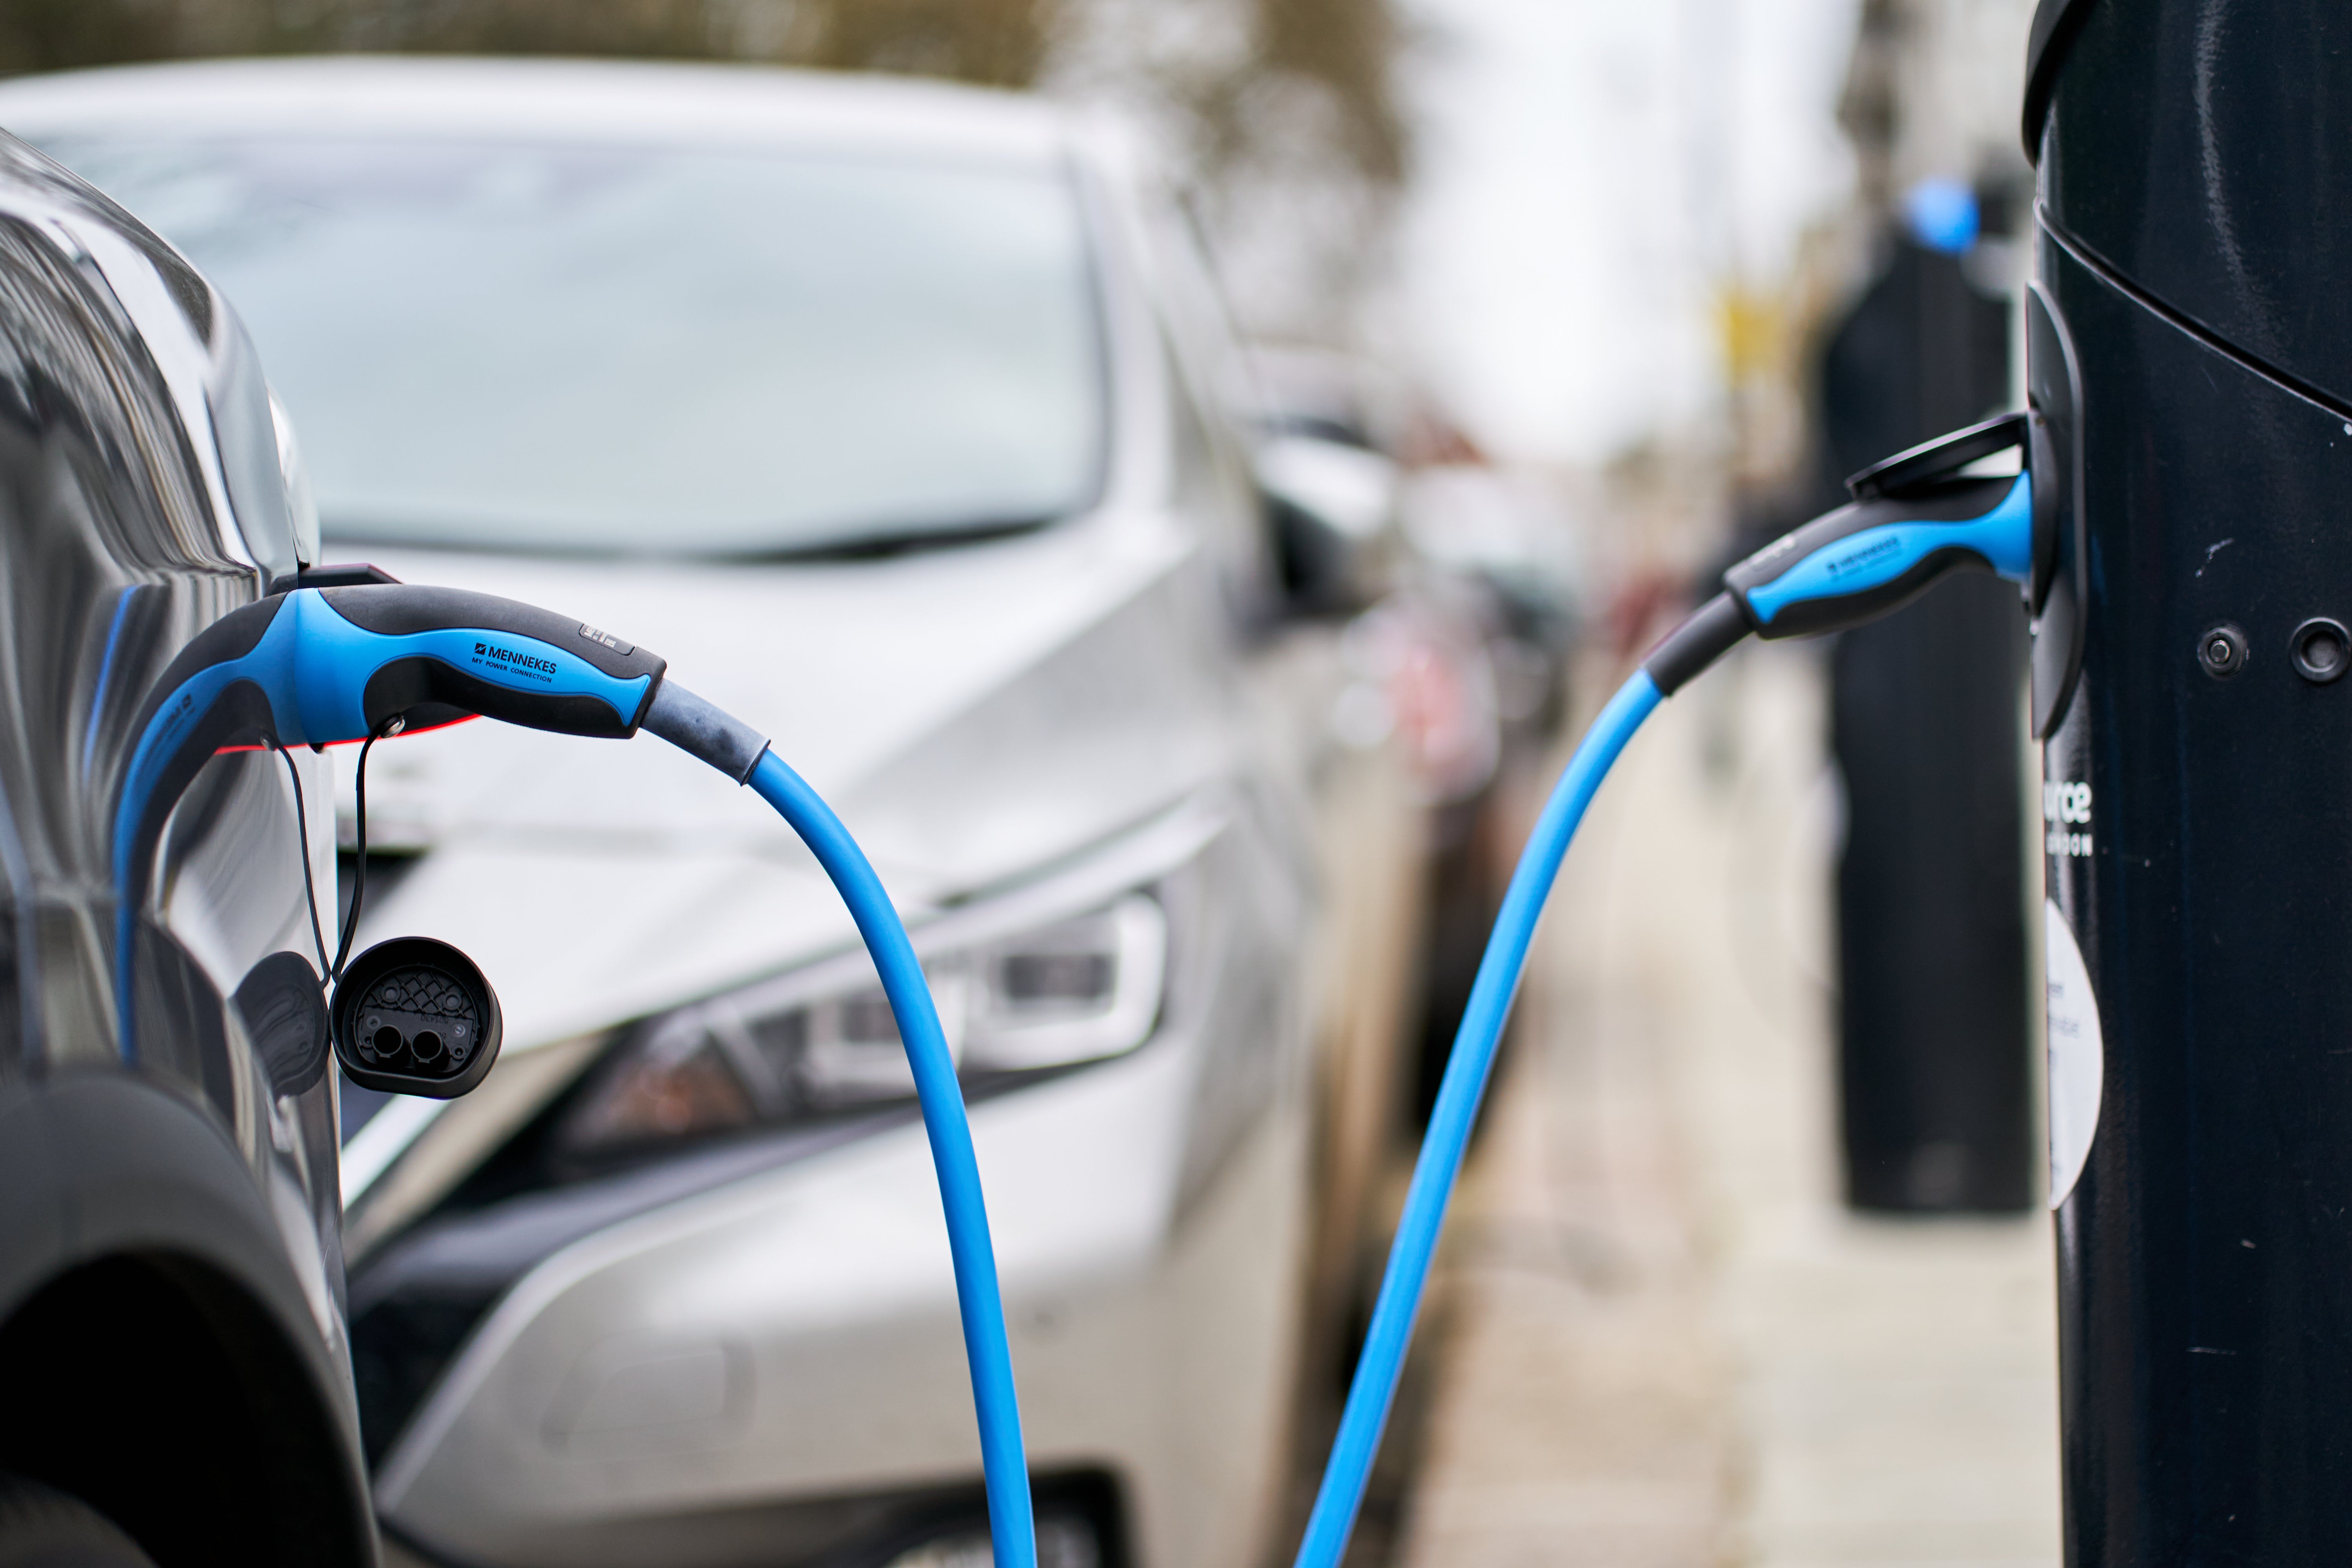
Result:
pixel 1450 1122
pixel 1012 1528
pixel 1840 570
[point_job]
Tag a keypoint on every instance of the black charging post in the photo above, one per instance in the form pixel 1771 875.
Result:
pixel 2192 351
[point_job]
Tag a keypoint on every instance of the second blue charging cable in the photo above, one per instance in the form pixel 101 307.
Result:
pixel 1841 569
pixel 1451 1120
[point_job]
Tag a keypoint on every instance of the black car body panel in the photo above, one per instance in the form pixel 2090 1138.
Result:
pixel 171 1291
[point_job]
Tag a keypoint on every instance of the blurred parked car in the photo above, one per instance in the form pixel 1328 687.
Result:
pixel 1463 652
pixel 174 1382
pixel 885 412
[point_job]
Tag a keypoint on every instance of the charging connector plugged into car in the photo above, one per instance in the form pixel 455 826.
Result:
pixel 356 662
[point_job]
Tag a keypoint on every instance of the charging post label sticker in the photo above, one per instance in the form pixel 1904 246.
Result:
pixel 2077 1054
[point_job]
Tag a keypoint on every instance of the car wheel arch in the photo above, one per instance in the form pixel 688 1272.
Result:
pixel 159 1351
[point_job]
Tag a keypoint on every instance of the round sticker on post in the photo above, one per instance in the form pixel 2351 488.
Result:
pixel 2077 1054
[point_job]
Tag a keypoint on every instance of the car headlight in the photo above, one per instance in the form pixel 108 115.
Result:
pixel 1054 994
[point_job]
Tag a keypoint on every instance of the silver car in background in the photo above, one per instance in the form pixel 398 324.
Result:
pixel 884 412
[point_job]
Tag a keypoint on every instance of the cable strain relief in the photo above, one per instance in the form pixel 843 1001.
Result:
pixel 703 729
pixel 1714 630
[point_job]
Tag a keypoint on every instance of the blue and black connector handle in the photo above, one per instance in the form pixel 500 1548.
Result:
pixel 320 666
pixel 1913 518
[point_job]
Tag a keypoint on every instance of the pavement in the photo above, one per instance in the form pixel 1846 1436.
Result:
pixel 1659 1338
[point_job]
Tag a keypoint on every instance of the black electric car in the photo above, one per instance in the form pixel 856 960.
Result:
pixel 174 1381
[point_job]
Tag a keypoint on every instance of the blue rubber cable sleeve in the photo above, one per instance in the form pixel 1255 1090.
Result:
pixel 1450 1122
pixel 1005 1464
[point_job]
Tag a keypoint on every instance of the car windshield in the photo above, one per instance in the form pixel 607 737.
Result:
pixel 609 350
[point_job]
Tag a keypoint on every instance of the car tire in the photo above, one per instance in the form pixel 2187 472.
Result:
pixel 41 1527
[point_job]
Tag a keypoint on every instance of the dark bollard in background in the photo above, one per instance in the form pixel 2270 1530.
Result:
pixel 1936 1106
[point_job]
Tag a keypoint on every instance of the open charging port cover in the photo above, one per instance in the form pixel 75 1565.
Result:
pixel 413 1015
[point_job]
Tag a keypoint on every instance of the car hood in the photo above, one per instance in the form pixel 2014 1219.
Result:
pixel 973 713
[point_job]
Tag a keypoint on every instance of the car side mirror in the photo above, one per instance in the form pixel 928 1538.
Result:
pixel 1332 510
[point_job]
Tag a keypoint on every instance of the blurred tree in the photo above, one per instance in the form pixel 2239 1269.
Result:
pixel 1223 62
pixel 999 42
pixel 49 35
pixel 1348 48
pixel 1285 117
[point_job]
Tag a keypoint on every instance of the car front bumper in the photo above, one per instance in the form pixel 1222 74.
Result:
pixel 650 1393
